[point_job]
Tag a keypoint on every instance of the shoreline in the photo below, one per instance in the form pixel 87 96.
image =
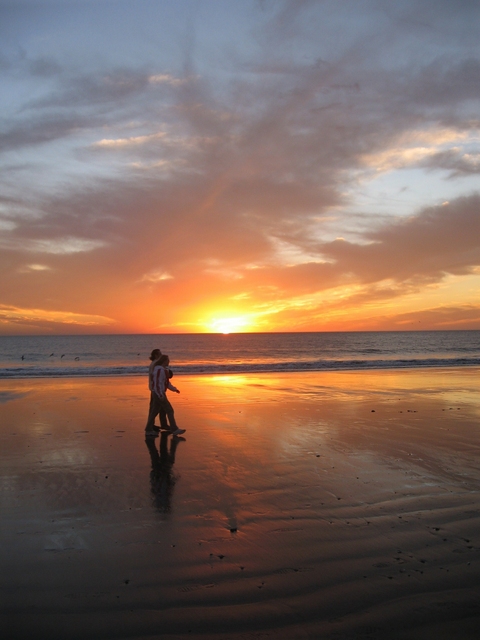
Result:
pixel 241 371
pixel 299 505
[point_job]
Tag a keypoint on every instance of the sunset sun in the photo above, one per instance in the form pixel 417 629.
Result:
pixel 230 324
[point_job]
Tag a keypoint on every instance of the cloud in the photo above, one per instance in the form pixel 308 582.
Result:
pixel 422 147
pixel 7 225
pixel 92 90
pixel 461 317
pixel 35 267
pixel 398 259
pixel 45 319
pixel 456 161
pixel 425 247
pixel 441 83
pixel 41 130
pixel 108 143
pixel 166 78
pixel 62 246
pixel 156 275
pixel 445 317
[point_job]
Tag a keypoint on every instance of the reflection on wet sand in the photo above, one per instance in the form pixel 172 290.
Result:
pixel 162 478
pixel 302 506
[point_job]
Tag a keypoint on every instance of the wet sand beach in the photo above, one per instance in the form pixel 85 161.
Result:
pixel 307 505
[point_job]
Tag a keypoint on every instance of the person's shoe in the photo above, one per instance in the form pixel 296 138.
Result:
pixel 155 428
pixel 151 434
pixel 178 432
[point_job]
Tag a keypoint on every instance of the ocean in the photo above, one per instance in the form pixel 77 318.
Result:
pixel 127 355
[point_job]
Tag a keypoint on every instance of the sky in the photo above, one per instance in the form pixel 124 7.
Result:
pixel 239 165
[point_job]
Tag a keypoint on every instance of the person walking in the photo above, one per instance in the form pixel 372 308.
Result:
pixel 152 411
pixel 161 404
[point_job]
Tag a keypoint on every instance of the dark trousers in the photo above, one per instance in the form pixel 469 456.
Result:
pixel 162 407
pixel 153 410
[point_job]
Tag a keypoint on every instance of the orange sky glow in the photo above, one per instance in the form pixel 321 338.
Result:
pixel 238 167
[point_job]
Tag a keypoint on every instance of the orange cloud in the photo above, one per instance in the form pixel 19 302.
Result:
pixel 32 320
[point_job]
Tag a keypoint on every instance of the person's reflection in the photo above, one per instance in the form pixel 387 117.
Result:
pixel 162 479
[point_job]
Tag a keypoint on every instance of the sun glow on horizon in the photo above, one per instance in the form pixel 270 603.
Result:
pixel 231 324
